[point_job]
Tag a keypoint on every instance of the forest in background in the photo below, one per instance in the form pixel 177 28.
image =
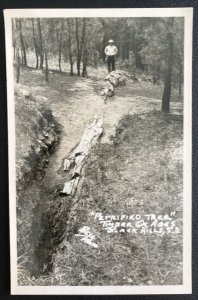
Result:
pixel 146 46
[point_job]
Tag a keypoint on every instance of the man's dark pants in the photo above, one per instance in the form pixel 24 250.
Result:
pixel 111 63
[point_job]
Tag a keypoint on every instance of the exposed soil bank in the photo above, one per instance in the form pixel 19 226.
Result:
pixel 36 138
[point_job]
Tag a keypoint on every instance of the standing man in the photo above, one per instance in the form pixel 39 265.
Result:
pixel 111 51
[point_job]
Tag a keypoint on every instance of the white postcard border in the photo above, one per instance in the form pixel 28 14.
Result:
pixel 187 13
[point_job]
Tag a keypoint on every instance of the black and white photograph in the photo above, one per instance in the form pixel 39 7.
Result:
pixel 99 125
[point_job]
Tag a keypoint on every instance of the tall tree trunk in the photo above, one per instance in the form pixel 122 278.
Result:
pixel 168 72
pixel 71 69
pixel 104 43
pixel 17 66
pixel 128 44
pixel 104 39
pixel 46 67
pixel 78 48
pixel 60 46
pixel 84 49
pixel 14 39
pixel 84 71
pixel 80 44
pixel 95 59
pixel 35 44
pixel 22 58
pixel 125 43
pixel 40 43
pixel 70 48
pixel 23 50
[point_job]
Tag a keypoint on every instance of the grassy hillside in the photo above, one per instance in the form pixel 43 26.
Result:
pixel 139 173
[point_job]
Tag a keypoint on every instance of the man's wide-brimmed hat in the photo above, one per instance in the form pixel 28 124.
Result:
pixel 111 41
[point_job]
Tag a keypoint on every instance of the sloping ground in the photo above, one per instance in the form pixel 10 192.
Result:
pixel 74 103
pixel 137 174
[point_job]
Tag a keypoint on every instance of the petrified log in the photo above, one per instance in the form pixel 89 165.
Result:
pixel 76 160
pixel 70 187
pixel 68 163
pixel 122 80
pixel 67 189
pixel 107 90
pixel 90 136
pixel 112 80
